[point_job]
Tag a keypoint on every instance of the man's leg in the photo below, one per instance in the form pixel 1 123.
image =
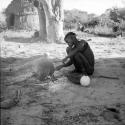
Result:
pixel 82 64
pixel 68 50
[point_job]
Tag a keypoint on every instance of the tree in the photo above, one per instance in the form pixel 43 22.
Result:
pixel 121 13
pixel 51 19
pixel 114 15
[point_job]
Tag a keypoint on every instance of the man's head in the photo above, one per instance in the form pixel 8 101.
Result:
pixel 70 38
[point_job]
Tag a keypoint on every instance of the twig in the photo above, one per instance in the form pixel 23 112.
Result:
pixel 108 77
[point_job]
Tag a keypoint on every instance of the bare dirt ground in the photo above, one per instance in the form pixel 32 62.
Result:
pixel 61 102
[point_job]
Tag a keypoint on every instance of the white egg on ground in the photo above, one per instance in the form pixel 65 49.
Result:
pixel 47 55
pixel 85 80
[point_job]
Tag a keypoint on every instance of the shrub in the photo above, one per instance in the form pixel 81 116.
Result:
pixel 69 26
pixel 122 25
pixel 3 24
pixel 103 30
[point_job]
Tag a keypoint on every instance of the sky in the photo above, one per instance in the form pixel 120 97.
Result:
pixel 91 6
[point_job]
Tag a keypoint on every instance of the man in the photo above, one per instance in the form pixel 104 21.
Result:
pixel 80 54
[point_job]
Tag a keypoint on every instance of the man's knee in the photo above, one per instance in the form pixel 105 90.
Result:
pixel 68 50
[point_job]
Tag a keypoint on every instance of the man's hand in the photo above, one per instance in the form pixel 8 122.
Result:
pixel 65 59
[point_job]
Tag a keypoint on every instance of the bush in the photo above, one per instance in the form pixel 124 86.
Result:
pixel 103 30
pixel 3 24
pixel 122 25
pixel 69 26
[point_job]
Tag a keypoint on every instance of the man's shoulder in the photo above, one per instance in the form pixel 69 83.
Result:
pixel 83 41
pixel 84 44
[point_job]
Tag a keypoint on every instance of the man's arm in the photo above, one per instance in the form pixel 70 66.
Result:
pixel 71 53
pixel 81 47
pixel 63 65
pixel 68 63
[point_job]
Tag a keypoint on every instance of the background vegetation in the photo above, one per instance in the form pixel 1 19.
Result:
pixel 110 23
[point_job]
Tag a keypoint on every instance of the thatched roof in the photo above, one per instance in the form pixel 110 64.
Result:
pixel 21 7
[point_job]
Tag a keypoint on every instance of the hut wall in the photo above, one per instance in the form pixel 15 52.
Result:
pixel 27 22
pixel 25 15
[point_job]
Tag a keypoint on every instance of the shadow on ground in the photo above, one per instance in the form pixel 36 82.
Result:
pixel 22 39
pixel 62 102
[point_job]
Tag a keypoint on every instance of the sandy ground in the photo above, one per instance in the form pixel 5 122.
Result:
pixel 61 102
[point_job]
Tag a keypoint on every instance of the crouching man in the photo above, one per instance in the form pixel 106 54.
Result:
pixel 79 54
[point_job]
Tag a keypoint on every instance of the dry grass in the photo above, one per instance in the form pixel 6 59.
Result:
pixel 100 30
pixel 103 30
